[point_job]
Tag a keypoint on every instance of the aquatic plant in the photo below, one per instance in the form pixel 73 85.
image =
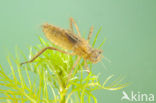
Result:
pixel 47 79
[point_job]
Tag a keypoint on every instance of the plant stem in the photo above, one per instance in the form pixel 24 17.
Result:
pixel 62 94
pixel 63 91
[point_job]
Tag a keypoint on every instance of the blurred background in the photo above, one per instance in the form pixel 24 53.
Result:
pixel 128 25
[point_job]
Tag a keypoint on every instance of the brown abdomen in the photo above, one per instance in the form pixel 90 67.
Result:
pixel 60 37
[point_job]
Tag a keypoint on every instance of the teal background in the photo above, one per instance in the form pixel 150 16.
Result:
pixel 128 25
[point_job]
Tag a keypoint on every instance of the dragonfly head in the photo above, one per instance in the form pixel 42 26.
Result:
pixel 95 55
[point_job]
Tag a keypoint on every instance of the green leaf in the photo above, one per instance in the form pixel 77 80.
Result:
pixel 96 37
